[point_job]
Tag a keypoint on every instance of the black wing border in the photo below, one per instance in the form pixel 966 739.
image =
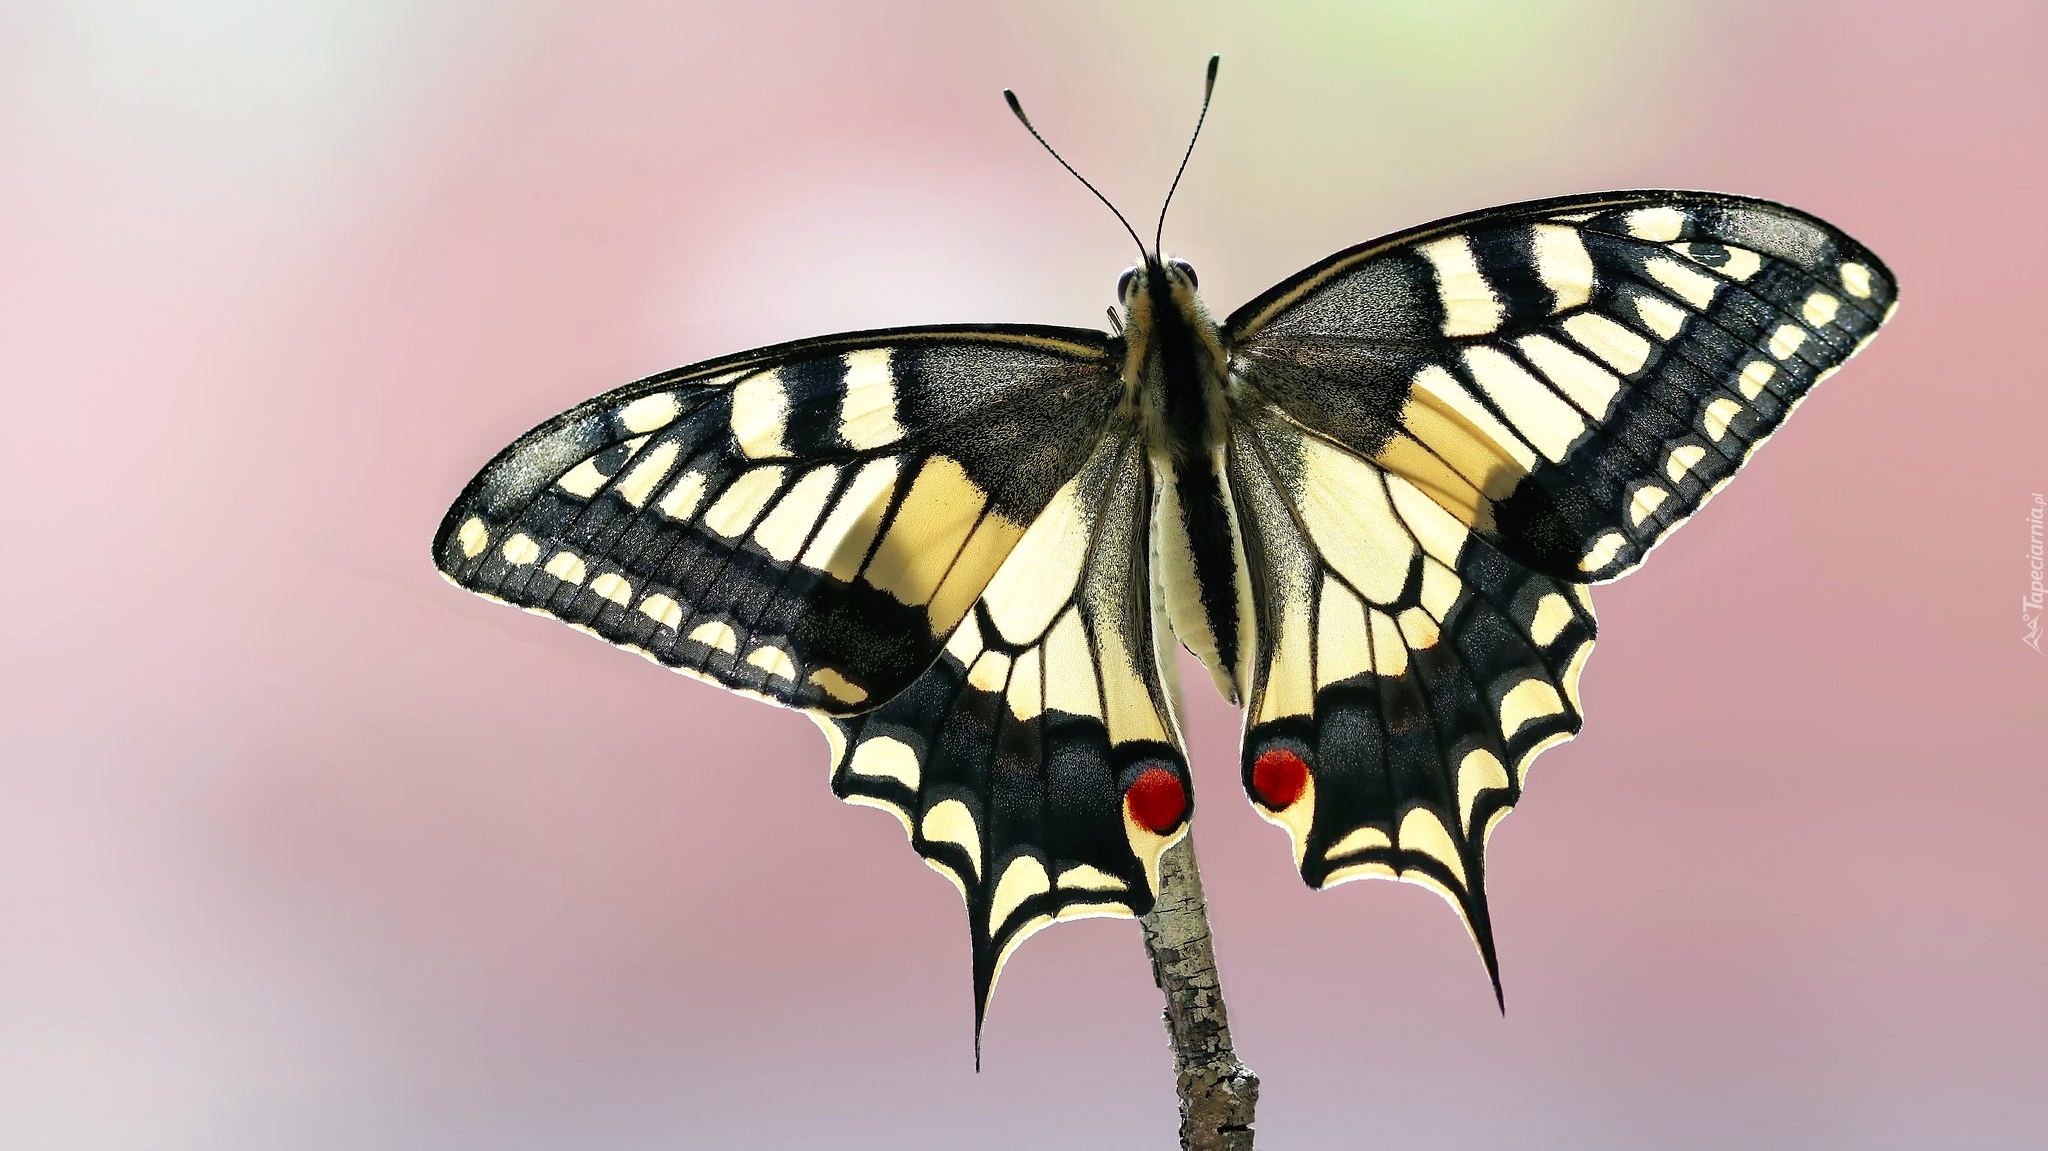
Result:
pixel 1081 344
pixel 1248 319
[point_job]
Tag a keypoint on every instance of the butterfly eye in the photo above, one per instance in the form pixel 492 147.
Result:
pixel 1124 282
pixel 1185 269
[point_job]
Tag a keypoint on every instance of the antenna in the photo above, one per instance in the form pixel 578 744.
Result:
pixel 1208 90
pixel 1024 120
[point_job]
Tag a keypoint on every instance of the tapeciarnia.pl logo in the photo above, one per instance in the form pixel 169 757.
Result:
pixel 2030 606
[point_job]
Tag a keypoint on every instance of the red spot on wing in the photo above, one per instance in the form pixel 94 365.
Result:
pixel 1157 800
pixel 1279 777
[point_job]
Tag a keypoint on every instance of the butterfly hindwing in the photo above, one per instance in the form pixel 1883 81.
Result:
pixel 1405 674
pixel 1038 763
pixel 807 522
pixel 1571 377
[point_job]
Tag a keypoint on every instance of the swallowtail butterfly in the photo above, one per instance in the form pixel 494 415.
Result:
pixel 1370 501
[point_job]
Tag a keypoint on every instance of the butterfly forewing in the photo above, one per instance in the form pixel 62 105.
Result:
pixel 1572 377
pixel 806 523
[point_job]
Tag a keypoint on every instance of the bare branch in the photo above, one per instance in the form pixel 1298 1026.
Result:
pixel 1218 1093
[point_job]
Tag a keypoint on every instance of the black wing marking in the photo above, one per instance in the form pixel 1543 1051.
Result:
pixel 1038 764
pixel 806 523
pixel 1406 673
pixel 1572 377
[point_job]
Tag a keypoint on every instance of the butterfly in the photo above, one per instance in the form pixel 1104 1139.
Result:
pixel 1370 502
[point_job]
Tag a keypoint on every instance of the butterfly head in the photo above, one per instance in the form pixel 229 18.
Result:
pixel 1153 288
pixel 1154 274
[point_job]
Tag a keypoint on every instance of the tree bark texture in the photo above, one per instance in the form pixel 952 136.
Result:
pixel 1218 1093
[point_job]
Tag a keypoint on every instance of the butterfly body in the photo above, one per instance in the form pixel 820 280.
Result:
pixel 1371 501
pixel 1177 367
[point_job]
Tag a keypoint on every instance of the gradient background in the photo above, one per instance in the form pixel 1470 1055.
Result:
pixel 300 848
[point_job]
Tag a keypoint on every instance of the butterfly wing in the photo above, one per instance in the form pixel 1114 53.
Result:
pixel 1038 764
pixel 932 540
pixel 1406 673
pixel 1441 437
pixel 806 523
pixel 1573 377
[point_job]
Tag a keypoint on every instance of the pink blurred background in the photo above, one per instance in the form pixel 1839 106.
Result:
pixel 301 848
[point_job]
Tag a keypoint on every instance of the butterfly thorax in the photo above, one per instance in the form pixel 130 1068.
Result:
pixel 1174 362
pixel 1175 367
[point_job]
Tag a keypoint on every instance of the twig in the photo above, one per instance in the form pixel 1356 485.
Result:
pixel 1218 1093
